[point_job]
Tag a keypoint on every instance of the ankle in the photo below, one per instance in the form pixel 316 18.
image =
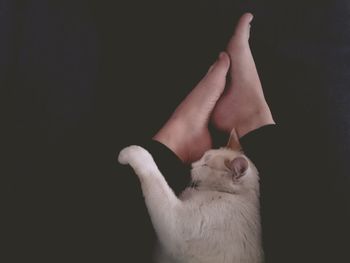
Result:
pixel 259 119
pixel 171 135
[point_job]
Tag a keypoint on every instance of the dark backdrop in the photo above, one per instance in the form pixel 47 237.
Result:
pixel 81 79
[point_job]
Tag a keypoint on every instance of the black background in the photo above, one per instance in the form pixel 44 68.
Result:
pixel 82 79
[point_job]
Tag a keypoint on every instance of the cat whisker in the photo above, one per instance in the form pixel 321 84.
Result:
pixel 194 184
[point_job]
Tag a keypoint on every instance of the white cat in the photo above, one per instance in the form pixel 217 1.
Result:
pixel 215 221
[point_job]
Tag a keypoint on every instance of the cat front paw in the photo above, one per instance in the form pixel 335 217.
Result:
pixel 125 155
pixel 134 155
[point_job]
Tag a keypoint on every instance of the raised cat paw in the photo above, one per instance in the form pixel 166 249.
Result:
pixel 123 157
pixel 127 153
pixel 135 156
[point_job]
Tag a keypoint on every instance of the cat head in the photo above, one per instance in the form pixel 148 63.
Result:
pixel 225 170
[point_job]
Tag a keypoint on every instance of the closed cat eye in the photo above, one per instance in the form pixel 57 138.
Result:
pixel 207 157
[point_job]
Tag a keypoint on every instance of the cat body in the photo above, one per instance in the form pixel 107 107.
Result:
pixel 215 221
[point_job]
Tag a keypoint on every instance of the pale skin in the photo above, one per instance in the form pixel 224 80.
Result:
pixel 240 106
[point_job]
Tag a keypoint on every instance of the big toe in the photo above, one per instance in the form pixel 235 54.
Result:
pixel 241 35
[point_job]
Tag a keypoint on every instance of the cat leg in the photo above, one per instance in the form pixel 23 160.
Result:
pixel 161 201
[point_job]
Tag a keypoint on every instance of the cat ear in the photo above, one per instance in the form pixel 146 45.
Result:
pixel 238 166
pixel 233 142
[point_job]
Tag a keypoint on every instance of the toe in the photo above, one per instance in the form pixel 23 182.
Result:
pixel 219 69
pixel 241 35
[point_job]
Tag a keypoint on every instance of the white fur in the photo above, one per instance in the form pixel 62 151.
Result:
pixel 216 222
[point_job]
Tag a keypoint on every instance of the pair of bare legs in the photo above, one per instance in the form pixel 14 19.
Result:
pixel 239 103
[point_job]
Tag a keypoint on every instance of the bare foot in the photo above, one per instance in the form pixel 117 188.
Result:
pixel 186 132
pixel 243 105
